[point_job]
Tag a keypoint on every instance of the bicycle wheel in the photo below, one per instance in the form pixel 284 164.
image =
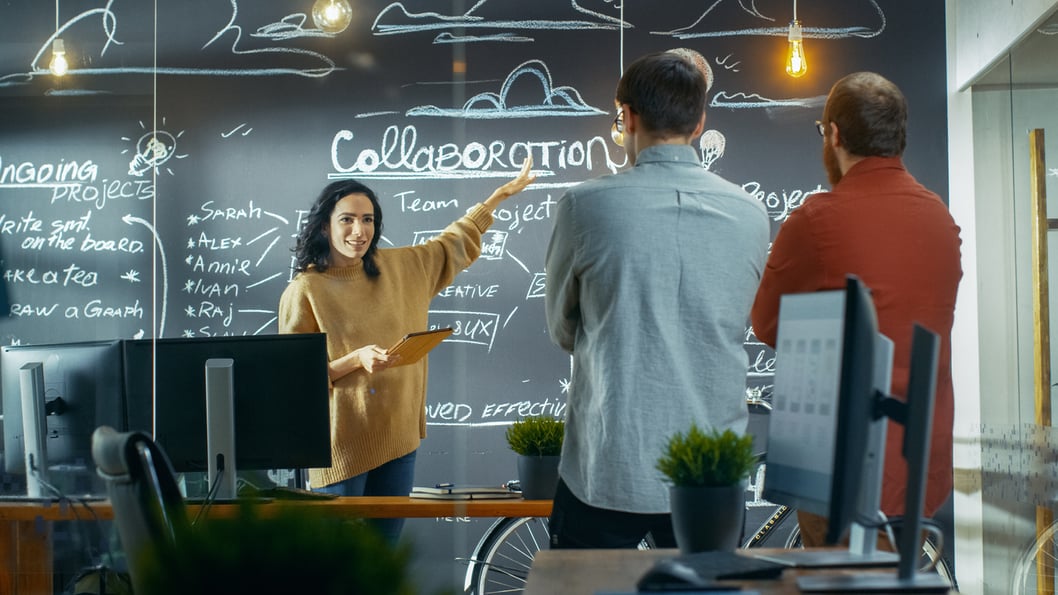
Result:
pixel 779 523
pixel 793 539
pixel 501 561
pixel 932 557
pixel 1035 569
pixel 506 555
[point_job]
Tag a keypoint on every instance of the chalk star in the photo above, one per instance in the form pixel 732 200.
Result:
pixel 565 384
pixel 132 276
pixel 190 311
pixel 190 242
pixel 188 333
pixel 189 286
pixel 190 258
pixel 192 220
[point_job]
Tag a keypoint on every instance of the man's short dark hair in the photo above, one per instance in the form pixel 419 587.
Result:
pixel 871 114
pixel 666 91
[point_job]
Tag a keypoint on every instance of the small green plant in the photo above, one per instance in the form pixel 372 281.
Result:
pixel 715 458
pixel 536 436
pixel 286 550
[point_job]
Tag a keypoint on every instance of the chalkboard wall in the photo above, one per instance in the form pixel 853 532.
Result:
pixel 156 189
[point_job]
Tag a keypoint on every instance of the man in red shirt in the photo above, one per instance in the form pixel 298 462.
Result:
pixel 899 238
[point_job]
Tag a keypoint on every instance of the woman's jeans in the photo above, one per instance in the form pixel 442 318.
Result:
pixel 394 478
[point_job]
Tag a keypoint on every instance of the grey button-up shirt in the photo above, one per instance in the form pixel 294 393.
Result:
pixel 651 273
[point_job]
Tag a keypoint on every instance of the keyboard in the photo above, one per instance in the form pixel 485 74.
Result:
pixel 286 493
pixel 730 566
pixel 705 567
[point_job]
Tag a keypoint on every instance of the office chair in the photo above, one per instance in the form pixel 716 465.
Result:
pixel 148 507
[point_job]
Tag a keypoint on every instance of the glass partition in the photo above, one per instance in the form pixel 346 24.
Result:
pixel 1016 163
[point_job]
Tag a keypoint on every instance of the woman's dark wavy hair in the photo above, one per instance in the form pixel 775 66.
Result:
pixel 313 248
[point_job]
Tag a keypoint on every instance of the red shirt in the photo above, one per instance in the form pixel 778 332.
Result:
pixel 899 238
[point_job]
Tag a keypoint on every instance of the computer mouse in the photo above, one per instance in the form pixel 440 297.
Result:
pixel 668 575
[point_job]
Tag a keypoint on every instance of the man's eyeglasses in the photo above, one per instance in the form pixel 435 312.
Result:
pixel 617 129
pixel 821 128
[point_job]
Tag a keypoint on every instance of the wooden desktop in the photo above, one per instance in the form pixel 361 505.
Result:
pixel 26 557
pixel 589 572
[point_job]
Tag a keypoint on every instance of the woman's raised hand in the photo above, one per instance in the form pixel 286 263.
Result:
pixel 513 187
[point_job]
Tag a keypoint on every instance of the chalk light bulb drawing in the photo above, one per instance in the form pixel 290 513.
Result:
pixel 152 150
pixel 58 65
pixel 332 16
pixel 796 66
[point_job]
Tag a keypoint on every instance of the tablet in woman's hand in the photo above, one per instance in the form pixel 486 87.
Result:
pixel 413 346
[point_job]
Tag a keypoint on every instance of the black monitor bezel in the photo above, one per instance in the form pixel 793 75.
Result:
pixel 856 398
pixel 291 432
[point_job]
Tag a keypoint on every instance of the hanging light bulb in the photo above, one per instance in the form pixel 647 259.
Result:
pixel 796 66
pixel 58 65
pixel 332 16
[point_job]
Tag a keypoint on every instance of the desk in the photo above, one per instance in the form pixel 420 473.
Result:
pixel 26 557
pixel 586 572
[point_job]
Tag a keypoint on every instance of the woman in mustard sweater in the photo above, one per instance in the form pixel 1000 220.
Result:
pixel 365 299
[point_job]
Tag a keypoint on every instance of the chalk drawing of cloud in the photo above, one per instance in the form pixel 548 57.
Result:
pixel 754 101
pixel 753 22
pixel 507 37
pixel 557 101
pixel 396 19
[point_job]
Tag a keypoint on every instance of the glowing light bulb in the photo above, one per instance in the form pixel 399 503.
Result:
pixel 58 65
pixel 796 66
pixel 332 16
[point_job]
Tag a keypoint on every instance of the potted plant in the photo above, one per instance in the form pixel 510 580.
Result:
pixel 286 550
pixel 707 473
pixel 538 443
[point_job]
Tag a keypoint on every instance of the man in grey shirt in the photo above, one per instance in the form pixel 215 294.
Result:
pixel 651 273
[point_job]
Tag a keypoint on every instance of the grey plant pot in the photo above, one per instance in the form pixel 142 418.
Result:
pixel 707 518
pixel 538 476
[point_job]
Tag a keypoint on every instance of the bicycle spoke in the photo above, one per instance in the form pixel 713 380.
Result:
pixel 503 562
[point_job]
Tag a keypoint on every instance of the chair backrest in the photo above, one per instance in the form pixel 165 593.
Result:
pixel 148 507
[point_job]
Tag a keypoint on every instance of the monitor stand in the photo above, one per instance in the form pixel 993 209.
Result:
pixel 220 428
pixel 919 582
pixel 34 427
pixel 916 415
pixel 862 552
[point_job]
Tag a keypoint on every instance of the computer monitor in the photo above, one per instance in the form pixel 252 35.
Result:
pixel 822 424
pixel 81 384
pixel 915 413
pixel 826 431
pixel 279 390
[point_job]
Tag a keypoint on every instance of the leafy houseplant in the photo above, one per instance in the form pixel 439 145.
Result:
pixel 538 443
pixel 707 496
pixel 539 436
pixel 715 458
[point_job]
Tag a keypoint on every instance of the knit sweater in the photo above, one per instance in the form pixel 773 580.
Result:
pixel 378 417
